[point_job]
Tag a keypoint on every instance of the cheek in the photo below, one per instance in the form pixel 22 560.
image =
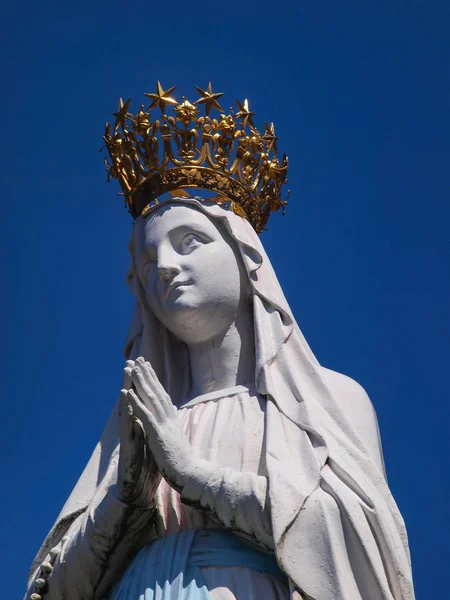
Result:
pixel 151 294
pixel 220 275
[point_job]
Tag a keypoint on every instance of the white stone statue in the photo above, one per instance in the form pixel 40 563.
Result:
pixel 245 469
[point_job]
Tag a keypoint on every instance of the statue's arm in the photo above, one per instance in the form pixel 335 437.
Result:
pixel 237 500
pixel 84 555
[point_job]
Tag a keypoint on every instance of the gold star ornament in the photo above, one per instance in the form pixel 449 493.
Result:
pixel 209 98
pixel 270 137
pixel 161 97
pixel 245 114
pixel 122 114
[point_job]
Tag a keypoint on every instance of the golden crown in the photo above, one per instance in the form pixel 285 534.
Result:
pixel 187 150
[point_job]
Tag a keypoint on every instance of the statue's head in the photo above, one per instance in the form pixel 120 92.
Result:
pixel 191 272
pixel 226 278
pixel 226 156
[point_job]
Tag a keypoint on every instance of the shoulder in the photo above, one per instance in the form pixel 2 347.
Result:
pixel 350 392
pixel 358 409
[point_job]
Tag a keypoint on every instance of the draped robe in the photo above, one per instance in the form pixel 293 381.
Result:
pixel 335 529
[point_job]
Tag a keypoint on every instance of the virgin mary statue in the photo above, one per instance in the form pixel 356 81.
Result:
pixel 234 466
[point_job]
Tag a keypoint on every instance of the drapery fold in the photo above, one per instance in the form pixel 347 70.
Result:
pixel 337 531
pixel 173 567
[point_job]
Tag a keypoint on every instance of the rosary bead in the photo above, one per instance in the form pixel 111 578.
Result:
pixel 35 597
pixel 39 583
pixel 54 553
pixel 46 569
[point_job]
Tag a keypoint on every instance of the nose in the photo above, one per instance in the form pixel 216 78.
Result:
pixel 167 273
pixel 167 264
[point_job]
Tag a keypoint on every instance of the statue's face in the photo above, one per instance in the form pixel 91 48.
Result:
pixel 190 273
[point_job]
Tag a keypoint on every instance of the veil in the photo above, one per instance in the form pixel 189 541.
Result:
pixel 337 532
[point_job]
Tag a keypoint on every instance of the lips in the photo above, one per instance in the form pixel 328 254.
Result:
pixel 176 284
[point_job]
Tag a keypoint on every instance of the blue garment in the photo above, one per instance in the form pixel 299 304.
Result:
pixel 171 567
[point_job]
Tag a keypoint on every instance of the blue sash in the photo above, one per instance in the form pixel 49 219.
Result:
pixel 170 568
pixel 221 548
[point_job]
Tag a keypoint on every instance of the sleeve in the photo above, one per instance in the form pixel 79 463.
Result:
pixel 237 500
pixel 74 568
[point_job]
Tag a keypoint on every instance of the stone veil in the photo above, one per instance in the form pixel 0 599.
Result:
pixel 337 532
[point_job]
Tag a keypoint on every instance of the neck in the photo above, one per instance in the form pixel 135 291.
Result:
pixel 226 360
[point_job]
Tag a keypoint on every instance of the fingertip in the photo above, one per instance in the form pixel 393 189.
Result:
pixel 131 396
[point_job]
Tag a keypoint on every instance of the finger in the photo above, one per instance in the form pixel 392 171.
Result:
pixel 140 384
pixel 123 403
pixel 150 420
pixel 126 412
pixel 126 430
pixel 151 370
pixel 140 411
pixel 149 399
pixel 143 415
pixel 158 389
pixel 152 382
pixel 127 380
pixel 147 373
pixel 140 362
pixel 140 439
pixel 145 389
pixel 148 370
pixel 139 435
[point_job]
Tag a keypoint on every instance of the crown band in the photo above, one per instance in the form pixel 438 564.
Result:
pixel 228 156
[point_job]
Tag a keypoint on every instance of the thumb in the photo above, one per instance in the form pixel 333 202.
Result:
pixel 138 430
pixel 125 412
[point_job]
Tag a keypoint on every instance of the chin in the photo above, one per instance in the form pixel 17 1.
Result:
pixel 195 323
pixel 183 308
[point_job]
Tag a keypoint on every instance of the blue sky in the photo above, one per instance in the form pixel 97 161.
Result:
pixel 359 93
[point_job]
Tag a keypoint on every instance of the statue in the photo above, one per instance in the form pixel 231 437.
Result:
pixel 245 469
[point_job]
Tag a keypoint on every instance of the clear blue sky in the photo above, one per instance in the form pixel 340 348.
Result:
pixel 360 95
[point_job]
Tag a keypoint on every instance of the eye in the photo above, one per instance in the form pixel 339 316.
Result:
pixel 147 269
pixel 190 242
